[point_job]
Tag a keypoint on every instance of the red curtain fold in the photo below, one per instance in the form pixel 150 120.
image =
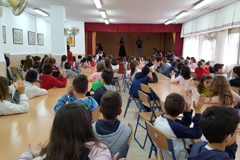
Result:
pixel 178 44
pixel 100 27
pixel 89 43
pixel 157 28
pixel 89 27
pixel 134 28
pixel 112 28
pixel 178 27
pixel 169 28
pixel 146 27
pixel 123 28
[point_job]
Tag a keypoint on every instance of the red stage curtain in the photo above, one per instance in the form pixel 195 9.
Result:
pixel 89 43
pixel 169 28
pixel 100 27
pixel 134 28
pixel 178 44
pixel 146 28
pixel 178 27
pixel 157 28
pixel 123 28
pixel 112 28
pixel 89 27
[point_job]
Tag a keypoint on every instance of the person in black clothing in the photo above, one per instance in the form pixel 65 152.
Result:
pixel 122 51
pixel 6 56
pixel 149 62
pixel 236 73
pixel 210 68
pixel 139 43
pixel 107 78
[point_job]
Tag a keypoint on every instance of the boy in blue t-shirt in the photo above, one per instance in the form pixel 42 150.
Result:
pixel 219 124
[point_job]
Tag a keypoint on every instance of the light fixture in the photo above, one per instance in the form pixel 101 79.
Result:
pixel 103 14
pixel 182 14
pixel 106 21
pixel 41 12
pixel 201 4
pixel 98 4
pixel 168 22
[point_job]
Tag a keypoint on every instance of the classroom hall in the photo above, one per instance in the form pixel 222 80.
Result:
pixel 117 80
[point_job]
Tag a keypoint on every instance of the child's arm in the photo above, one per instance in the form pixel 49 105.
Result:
pixel 214 99
pixel 61 102
pixel 173 79
pixel 236 97
pixel 91 78
pixel 154 79
pixel 60 81
pixel 231 150
pixel 39 91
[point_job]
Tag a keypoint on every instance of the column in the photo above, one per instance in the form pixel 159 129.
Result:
pixel 2 60
pixel 58 23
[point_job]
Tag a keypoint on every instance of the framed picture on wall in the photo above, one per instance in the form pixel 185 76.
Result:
pixel 17 36
pixel 40 38
pixel 31 38
pixel 4 34
pixel 70 40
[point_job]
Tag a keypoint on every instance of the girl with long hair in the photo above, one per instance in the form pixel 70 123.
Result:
pixel 204 84
pixel 85 63
pixel 71 137
pixel 90 59
pixel 28 65
pixel 97 75
pixel 107 62
pixel 220 92
pixel 184 77
pixel 64 59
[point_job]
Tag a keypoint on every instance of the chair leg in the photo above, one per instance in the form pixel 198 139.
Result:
pixel 129 101
pixel 142 146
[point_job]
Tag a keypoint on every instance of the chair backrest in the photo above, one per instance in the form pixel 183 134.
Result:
pixel 160 138
pixel 116 70
pixel 159 154
pixel 14 70
pixel 235 89
pixel 130 138
pixel 95 115
pixel 144 98
pixel 145 88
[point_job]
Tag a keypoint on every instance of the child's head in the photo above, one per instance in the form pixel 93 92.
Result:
pixel 36 58
pixel 47 68
pixel 89 58
pixel 100 66
pixel 111 103
pixel 144 58
pixel 107 76
pixel 107 63
pixel 64 58
pixel 185 72
pixel 67 65
pixel 174 64
pixel 79 57
pixel 236 71
pixel 95 57
pixel 4 90
pixel 174 104
pixel 74 58
pixel 53 61
pixel 220 87
pixel 154 60
pixel 186 62
pixel 36 65
pixel 205 82
pixel 181 58
pixel 22 62
pixel 31 76
pixel 218 68
pixel 27 65
pixel 114 61
pixel 188 58
pixel 71 129
pixel 179 66
pixel 29 57
pixel 200 64
pixel 133 67
pixel 193 60
pixel 171 60
pixel 84 60
pixel 148 59
pixel 145 70
pixel 80 84
pixel 164 60
pixel 218 124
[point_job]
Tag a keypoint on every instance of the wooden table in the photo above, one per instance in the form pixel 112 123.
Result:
pixel 17 131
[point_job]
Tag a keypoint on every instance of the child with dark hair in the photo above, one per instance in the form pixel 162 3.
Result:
pixel 76 92
pixel 71 138
pixel 219 124
pixel 219 70
pixel 107 78
pixel 56 71
pixel 200 70
pixel 178 70
pixel 204 84
pixel 36 67
pixel 115 66
pixel 164 66
pixel 170 69
pixel 97 75
pixel 89 59
pixel 149 62
pixel 179 130
pixel 64 59
pixel 110 130
pixel 22 64
pixel 47 81
pixel 27 67
pixel 85 64
pixel 142 77
pixel 71 71
pixel 209 67
pixel 31 90
pixel 236 73
pixel 184 77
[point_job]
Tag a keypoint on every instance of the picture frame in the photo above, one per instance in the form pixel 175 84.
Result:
pixel 17 36
pixel 31 38
pixel 40 38
pixel 70 38
pixel 4 34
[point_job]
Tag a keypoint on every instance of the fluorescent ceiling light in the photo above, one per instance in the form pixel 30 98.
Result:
pixel 40 12
pixel 98 3
pixel 169 22
pixel 106 21
pixel 201 4
pixel 103 14
pixel 182 14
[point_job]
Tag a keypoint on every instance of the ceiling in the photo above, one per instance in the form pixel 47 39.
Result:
pixel 128 11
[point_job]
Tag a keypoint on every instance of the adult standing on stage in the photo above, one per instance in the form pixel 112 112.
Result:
pixel 139 43
pixel 122 51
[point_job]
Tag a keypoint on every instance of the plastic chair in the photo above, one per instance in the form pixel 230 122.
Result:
pixel 116 81
pixel 123 77
pixel 161 139
pixel 16 73
pixel 148 116
pixel 95 115
pixel 130 98
pixel 129 141
pixel 159 155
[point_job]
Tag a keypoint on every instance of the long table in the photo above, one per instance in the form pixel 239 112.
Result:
pixel 17 131
pixel 164 87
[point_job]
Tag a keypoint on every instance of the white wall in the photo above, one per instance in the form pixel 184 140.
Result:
pixel 79 39
pixel 27 23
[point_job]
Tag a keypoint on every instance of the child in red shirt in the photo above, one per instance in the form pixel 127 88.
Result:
pixel 200 70
pixel 47 81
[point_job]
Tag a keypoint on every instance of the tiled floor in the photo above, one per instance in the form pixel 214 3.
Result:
pixel 135 152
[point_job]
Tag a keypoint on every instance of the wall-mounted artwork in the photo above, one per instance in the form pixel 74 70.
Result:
pixel 31 38
pixel 4 34
pixel 17 36
pixel 40 38
pixel 70 40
